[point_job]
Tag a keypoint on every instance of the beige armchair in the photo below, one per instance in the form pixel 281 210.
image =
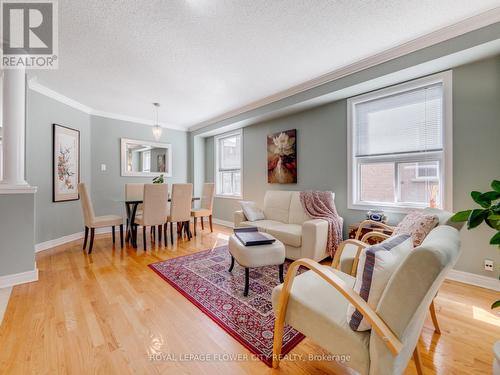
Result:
pixel 155 210
pixel 315 303
pixel 180 209
pixel 207 203
pixel 92 222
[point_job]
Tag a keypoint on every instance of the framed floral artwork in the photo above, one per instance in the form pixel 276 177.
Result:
pixel 282 157
pixel 66 163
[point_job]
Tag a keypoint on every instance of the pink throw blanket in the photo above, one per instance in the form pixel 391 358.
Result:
pixel 320 205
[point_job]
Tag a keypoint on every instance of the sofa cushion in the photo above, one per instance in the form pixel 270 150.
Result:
pixel 251 211
pixel 262 225
pixel 297 214
pixel 277 205
pixel 289 234
pixel 318 310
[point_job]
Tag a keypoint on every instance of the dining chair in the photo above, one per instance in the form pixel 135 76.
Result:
pixel 205 210
pixel 92 222
pixel 155 209
pixel 180 209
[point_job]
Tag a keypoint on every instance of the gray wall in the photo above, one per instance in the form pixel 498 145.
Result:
pixel 109 187
pixel 17 250
pixel 53 220
pixel 322 155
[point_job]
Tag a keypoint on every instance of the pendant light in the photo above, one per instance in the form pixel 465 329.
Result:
pixel 157 130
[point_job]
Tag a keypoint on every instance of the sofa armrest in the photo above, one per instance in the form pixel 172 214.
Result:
pixel 239 216
pixel 314 239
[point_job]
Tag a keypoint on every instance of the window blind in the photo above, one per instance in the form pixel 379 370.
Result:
pixel 403 123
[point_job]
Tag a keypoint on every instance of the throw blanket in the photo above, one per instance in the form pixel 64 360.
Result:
pixel 320 205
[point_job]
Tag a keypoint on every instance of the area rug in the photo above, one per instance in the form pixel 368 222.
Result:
pixel 203 278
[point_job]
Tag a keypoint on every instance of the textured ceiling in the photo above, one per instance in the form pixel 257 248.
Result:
pixel 202 58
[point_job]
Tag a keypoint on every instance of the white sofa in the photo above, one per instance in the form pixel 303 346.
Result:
pixel 286 220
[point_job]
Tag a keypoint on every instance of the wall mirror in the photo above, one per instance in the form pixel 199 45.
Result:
pixel 145 159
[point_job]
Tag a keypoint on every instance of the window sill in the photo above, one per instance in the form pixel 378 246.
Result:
pixel 385 208
pixel 235 197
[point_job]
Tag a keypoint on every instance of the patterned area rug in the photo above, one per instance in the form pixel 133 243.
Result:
pixel 204 279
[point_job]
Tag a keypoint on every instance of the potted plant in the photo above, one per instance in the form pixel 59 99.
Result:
pixel 490 214
pixel 158 179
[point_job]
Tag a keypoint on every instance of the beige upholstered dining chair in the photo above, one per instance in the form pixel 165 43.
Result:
pixel 135 192
pixel 316 302
pixel 180 209
pixel 155 210
pixel 207 203
pixel 92 222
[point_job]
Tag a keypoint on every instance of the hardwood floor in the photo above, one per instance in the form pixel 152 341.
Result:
pixel 108 313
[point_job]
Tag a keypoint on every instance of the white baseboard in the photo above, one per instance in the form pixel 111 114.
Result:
pixel 71 237
pixel 473 279
pixel 19 278
pixel 223 222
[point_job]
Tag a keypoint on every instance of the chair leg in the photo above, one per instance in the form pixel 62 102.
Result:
pixel 188 230
pixel 144 237
pixel 432 309
pixel 121 235
pixel 153 233
pixel 418 361
pixel 86 237
pixel 202 227
pixel 247 281
pixel 194 226
pixel 92 232
pixel 172 233
pixel 113 233
pixel 210 221
pixel 165 227
pixel 159 235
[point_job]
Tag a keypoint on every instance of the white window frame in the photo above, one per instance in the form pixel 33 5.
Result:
pixel 217 139
pixel 445 157
pixel 143 157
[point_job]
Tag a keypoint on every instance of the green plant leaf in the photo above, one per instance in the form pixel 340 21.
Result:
pixel 494 217
pixel 495 240
pixel 480 200
pixel 490 195
pixel 461 216
pixel 495 185
pixel 476 217
pixel 495 304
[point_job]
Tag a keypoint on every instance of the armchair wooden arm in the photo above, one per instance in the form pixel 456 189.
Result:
pixel 369 235
pixel 338 254
pixel 378 325
pixel 378 224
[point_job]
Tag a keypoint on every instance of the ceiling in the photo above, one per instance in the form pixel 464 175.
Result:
pixel 203 58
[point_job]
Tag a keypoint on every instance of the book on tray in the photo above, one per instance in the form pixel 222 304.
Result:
pixel 252 237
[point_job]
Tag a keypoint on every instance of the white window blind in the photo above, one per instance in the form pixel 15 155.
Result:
pixel 402 123
pixel 400 148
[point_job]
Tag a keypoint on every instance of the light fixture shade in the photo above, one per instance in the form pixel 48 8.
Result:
pixel 157 130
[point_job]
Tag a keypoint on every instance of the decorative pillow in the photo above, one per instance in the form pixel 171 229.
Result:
pixel 376 265
pixel 417 225
pixel 251 211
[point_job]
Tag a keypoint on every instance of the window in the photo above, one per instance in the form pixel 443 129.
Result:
pixel 146 161
pixel 228 165
pixel 400 146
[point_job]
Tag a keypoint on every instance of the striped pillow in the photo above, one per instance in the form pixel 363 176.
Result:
pixel 376 265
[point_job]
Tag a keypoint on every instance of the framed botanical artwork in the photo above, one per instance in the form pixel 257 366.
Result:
pixel 282 157
pixel 65 163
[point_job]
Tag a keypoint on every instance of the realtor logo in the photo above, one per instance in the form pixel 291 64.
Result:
pixel 29 34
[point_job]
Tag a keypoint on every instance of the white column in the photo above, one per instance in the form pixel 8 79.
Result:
pixel 13 143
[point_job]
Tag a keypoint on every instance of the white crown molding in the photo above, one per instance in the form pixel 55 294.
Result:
pixel 462 27
pixel 473 279
pixel 41 89
pixel 19 278
pixel 35 86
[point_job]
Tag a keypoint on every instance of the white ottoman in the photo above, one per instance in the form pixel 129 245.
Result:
pixel 256 256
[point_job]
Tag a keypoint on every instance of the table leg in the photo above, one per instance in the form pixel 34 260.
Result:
pixel 131 223
pixel 128 229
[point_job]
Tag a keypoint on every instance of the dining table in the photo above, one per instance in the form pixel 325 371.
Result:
pixel 131 209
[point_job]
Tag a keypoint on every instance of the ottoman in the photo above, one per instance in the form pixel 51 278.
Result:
pixel 256 256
